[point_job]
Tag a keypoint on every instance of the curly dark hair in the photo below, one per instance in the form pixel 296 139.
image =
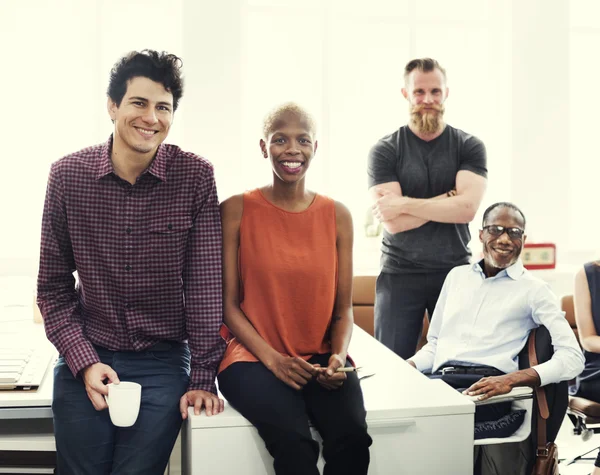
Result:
pixel 161 67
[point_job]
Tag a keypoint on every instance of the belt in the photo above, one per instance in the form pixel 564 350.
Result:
pixel 482 370
pixel 164 345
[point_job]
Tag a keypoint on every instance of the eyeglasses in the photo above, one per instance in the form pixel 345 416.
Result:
pixel 497 230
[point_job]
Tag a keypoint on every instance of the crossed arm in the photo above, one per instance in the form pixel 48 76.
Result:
pixel 400 213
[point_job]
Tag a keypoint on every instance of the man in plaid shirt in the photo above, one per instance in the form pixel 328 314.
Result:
pixel 138 220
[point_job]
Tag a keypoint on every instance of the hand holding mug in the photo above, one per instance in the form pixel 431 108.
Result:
pixel 123 401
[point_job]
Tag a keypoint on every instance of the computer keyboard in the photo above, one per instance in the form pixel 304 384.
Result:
pixel 24 368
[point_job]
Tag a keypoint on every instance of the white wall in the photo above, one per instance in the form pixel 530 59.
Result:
pixel 508 71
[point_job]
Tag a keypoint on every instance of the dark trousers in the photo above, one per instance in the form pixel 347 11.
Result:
pixel 400 304
pixel 282 414
pixel 589 389
pixel 518 458
pixel 87 443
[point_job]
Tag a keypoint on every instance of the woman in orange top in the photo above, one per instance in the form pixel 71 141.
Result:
pixel 287 256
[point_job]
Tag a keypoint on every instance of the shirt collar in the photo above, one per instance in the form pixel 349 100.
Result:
pixel 104 165
pixel 157 168
pixel 515 272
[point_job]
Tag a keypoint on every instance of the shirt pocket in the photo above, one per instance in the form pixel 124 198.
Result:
pixel 167 239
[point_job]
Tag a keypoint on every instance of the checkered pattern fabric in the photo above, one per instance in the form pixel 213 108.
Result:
pixel 147 258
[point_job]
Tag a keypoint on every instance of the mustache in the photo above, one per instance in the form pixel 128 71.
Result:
pixel 421 107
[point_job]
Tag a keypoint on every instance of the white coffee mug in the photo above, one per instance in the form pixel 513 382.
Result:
pixel 124 403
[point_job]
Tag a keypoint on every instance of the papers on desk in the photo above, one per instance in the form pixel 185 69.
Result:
pixel 515 394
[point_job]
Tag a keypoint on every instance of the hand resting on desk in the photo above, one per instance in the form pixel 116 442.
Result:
pixel 522 392
pixel 198 398
pixel 496 385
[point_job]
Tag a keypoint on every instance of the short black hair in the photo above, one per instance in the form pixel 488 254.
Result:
pixel 502 204
pixel 161 67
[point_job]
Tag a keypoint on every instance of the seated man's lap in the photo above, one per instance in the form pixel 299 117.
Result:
pixel 460 382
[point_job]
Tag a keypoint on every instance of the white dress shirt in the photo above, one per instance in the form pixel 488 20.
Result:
pixel 486 321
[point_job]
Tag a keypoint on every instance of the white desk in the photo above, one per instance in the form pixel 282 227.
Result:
pixel 26 416
pixel 418 425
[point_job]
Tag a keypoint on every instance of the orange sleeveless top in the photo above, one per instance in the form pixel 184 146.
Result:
pixel 288 276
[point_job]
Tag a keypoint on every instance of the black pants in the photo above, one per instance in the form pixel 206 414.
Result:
pixel 590 390
pixel 400 304
pixel 281 415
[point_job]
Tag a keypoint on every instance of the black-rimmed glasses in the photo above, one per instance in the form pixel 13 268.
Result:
pixel 497 230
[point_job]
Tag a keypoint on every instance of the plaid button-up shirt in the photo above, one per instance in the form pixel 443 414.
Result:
pixel 147 256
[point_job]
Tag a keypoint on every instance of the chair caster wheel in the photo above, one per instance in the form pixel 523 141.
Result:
pixel 587 435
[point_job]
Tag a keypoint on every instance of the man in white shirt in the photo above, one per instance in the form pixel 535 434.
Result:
pixel 486 311
pixel 484 315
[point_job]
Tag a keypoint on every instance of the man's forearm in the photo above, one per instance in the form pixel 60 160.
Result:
pixel 406 222
pixel 402 223
pixel 526 377
pixel 62 324
pixel 56 295
pixel 457 209
pixel 202 281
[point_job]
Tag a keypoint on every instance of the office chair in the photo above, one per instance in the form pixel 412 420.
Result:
pixel 556 396
pixel 581 411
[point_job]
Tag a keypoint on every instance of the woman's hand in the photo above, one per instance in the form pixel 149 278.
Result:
pixel 293 371
pixel 328 377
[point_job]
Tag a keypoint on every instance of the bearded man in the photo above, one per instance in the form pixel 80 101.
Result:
pixel 426 181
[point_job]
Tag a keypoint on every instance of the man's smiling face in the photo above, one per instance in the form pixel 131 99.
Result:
pixel 502 236
pixel 144 116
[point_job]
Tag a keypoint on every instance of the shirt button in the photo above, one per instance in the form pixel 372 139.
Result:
pixel 128 267
pixel 169 226
pixel 128 230
pixel 127 306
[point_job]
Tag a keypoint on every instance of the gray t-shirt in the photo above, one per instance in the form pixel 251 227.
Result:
pixel 424 170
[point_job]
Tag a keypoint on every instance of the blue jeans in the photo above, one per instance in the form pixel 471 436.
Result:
pixel 87 443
